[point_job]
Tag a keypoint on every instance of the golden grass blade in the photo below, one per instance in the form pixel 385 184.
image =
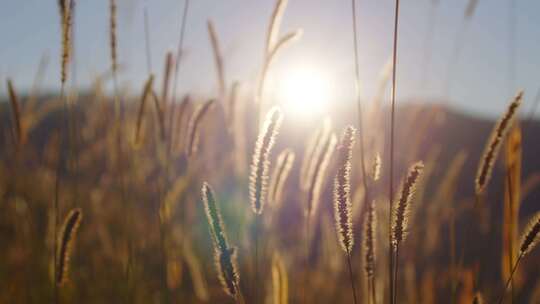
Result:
pixel 511 200
pixel 280 281
pixel 218 59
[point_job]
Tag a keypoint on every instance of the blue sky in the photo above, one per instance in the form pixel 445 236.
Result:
pixel 481 83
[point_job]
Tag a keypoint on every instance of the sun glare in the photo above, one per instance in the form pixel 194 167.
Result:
pixel 304 91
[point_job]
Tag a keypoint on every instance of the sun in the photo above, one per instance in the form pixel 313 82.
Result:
pixel 304 91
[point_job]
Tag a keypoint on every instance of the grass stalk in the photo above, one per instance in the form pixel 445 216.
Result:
pixel 510 278
pixel 359 108
pixel 510 232
pixel 391 166
pixel 351 277
pixel 306 260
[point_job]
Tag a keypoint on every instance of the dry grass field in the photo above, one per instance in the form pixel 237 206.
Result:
pixel 143 196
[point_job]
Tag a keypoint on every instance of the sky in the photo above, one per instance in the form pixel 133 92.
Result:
pixel 481 81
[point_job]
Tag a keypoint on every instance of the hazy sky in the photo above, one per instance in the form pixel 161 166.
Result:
pixel 481 84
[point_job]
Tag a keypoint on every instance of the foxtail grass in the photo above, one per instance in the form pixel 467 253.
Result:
pixel 318 173
pixel 493 145
pixel 273 45
pixel 177 131
pixel 280 174
pixel 319 154
pixel 312 153
pixel 272 54
pixel 342 198
pixel 160 113
pixel 112 35
pixel 66 23
pixel 369 250
pixel 258 185
pixel 275 22
pixel 15 114
pixel 65 244
pixel 169 61
pixel 218 59
pixel 147 91
pixel 376 168
pixel 179 49
pixel 529 240
pixel 401 214
pixel 359 114
pixel 195 125
pixel 258 179
pixel 225 255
